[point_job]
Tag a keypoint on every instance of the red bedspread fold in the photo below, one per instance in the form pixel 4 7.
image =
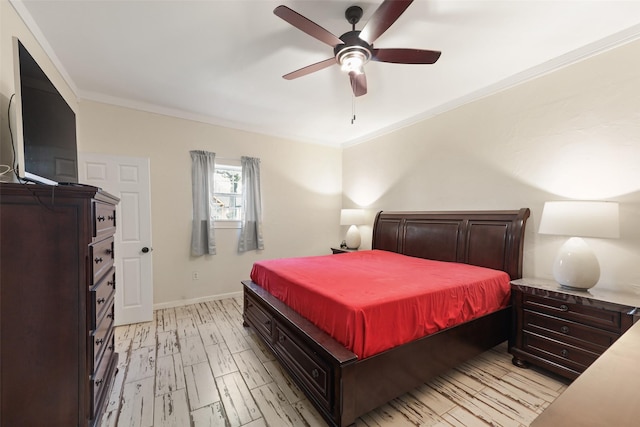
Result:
pixel 371 301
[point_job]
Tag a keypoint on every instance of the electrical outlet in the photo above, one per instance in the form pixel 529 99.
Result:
pixel 195 275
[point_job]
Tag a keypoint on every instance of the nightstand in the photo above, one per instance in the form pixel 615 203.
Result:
pixel 563 330
pixel 342 250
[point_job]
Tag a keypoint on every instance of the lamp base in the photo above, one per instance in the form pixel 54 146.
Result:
pixel 352 238
pixel 576 266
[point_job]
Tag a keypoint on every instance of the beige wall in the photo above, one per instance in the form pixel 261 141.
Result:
pixel 574 133
pixel 301 186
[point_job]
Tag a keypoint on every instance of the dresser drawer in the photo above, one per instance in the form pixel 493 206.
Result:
pixel 102 256
pixel 100 297
pixel 101 379
pixel 99 338
pixel 592 316
pixel 312 371
pixel 104 219
pixel 559 352
pixel 588 337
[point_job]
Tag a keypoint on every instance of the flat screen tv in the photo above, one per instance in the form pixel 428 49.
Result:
pixel 46 148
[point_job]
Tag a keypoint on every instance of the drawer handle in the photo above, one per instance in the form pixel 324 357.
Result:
pixel 99 341
pixel 315 373
pixel 564 353
pixel 109 251
pixel 101 218
pixel 110 283
pixel 101 300
pixel 564 307
pixel 98 382
pixel 110 315
pixel 281 338
pixel 564 329
pixel 111 217
pixel 267 323
pixel 98 260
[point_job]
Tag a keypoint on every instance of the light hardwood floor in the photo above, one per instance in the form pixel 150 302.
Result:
pixel 198 366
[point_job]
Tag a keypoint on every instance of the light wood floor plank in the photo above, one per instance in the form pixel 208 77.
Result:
pixel 192 350
pixel 252 370
pixel 141 364
pixel 220 359
pixel 284 382
pixel 197 365
pixel 186 327
pixel 239 404
pixel 275 408
pixel 167 343
pixel 144 335
pixel 209 416
pixel 210 334
pixel 168 378
pixel 137 404
pixel 200 385
pixel 438 403
pixel 172 410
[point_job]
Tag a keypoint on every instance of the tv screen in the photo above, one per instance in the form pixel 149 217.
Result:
pixel 49 147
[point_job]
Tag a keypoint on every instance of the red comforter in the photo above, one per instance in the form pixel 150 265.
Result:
pixel 371 301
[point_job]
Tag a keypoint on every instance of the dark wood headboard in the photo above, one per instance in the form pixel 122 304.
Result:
pixel 492 239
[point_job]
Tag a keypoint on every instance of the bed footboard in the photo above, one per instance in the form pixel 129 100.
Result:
pixel 343 388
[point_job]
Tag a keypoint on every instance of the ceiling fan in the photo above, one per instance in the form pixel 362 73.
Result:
pixel 354 49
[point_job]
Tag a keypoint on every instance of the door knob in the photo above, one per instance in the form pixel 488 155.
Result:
pixel 145 250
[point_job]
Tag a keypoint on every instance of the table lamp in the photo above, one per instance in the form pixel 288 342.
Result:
pixel 353 218
pixel 576 265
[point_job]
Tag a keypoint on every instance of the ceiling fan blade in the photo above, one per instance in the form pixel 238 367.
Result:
pixel 358 83
pixel 307 26
pixel 310 69
pixel 388 12
pixel 405 56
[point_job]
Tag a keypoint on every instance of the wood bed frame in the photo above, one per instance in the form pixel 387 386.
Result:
pixel 341 386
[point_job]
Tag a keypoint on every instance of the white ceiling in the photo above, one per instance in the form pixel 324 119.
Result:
pixel 222 61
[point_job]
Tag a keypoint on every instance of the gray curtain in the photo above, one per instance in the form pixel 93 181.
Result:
pixel 251 226
pixel 203 240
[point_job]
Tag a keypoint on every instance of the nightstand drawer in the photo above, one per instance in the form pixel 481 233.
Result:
pixel 562 353
pixel 592 316
pixel 597 340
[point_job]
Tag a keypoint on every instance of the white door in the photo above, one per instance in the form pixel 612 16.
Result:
pixel 128 179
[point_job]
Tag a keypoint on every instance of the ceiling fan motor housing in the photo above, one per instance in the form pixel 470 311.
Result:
pixel 353 48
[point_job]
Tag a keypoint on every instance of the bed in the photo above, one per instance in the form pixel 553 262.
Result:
pixel 343 386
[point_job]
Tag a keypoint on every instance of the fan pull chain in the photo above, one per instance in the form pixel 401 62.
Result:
pixel 353 108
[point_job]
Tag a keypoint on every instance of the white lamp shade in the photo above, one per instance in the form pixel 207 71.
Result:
pixel 583 219
pixel 351 216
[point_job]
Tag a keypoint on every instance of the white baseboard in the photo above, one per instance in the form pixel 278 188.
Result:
pixel 183 302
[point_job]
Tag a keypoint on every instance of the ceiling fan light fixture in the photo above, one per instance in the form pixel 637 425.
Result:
pixel 352 59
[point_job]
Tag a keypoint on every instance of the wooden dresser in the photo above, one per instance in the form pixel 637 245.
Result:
pixel 57 286
pixel 563 330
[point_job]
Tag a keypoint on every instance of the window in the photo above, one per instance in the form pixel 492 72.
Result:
pixel 227 196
